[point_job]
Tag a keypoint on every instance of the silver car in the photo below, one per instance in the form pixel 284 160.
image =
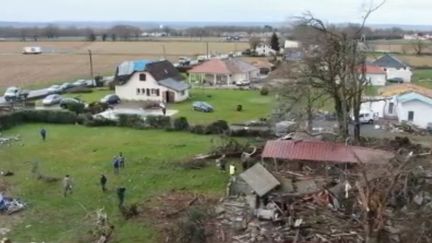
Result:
pixel 52 99
pixel 55 89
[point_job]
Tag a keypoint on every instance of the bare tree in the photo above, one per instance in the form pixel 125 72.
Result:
pixel 332 65
pixel 418 47
pixel 254 42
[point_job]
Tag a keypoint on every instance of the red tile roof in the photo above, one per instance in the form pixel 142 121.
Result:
pixel 370 69
pixel 320 151
pixel 223 66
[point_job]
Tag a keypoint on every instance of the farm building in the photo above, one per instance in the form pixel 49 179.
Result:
pixel 224 72
pixel 396 69
pixel 32 50
pixel 403 102
pixel 150 81
pixel 264 49
pixel 375 75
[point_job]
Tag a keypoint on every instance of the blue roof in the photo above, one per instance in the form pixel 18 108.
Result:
pixel 140 65
pixel 414 96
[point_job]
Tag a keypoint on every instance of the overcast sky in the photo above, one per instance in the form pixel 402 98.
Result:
pixel 417 12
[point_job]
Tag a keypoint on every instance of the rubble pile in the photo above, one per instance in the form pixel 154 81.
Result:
pixel 332 202
pixel 7 141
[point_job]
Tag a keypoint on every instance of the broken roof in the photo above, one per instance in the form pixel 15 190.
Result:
pixel 224 66
pixel 259 179
pixel 390 61
pixel 370 69
pixel 320 151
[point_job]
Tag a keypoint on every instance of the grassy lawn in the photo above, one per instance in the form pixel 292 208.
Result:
pixel 96 95
pixel 225 103
pixel 423 77
pixel 86 153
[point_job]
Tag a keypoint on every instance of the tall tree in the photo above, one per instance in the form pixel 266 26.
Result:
pixel 274 42
pixel 335 65
pixel 254 42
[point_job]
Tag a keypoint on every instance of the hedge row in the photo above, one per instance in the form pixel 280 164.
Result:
pixel 133 121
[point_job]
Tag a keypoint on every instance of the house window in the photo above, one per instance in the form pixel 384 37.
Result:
pixel 142 77
pixel 143 91
pixel 183 93
pixel 391 107
pixel 138 91
pixel 148 92
pixel 155 92
pixel 411 116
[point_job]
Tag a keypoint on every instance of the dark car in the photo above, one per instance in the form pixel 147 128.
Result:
pixel 66 102
pixel 110 99
pixel 202 106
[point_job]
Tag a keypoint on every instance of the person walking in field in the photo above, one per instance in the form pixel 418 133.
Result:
pixel 121 191
pixel 43 134
pixel 121 160
pixel 103 181
pixel 67 185
pixel 163 107
pixel 116 165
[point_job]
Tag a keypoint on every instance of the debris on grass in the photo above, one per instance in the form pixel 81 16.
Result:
pixel 10 205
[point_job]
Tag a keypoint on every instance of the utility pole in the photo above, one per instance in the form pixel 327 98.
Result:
pixel 164 52
pixel 207 48
pixel 91 63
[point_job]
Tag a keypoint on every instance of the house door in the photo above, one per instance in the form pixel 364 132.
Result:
pixel 169 97
pixel 411 116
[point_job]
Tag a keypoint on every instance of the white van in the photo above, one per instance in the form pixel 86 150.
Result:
pixel 367 117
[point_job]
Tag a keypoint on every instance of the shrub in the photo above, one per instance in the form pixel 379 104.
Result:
pixel 80 90
pixel 133 121
pixel 158 121
pixel 10 120
pixel 239 108
pixel 264 91
pixel 217 127
pixel 181 124
pixel 77 108
pixel 96 107
pixel 198 129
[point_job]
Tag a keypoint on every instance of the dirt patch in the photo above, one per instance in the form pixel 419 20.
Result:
pixel 171 211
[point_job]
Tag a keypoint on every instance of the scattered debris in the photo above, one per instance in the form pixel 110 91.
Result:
pixel 10 205
pixel 9 140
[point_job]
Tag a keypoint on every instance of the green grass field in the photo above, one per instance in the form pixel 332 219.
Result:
pixel 86 153
pixel 423 77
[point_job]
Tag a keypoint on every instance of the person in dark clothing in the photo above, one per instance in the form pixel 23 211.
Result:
pixel 116 165
pixel 103 181
pixel 43 134
pixel 121 196
pixel 121 160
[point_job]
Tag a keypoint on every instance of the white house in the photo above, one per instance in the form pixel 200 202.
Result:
pixel 264 49
pixel 374 75
pixel 224 72
pixel 290 44
pixel 396 69
pixel 150 81
pixel 415 108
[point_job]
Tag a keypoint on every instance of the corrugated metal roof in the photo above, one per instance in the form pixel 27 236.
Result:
pixel 323 152
pixel 414 96
pixel 259 179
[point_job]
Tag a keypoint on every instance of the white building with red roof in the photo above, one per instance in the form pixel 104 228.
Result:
pixel 224 72
pixel 375 75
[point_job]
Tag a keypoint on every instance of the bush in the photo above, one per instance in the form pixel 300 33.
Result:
pixel 133 121
pixel 239 108
pixel 181 124
pixel 198 129
pixel 77 108
pixel 264 91
pixel 158 121
pixel 217 127
pixel 80 90
pixel 49 116
pixel 96 107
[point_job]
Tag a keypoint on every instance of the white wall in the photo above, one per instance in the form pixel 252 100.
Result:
pixel 422 112
pixel 264 50
pixel 376 79
pixel 291 44
pixel 128 91
pixel 404 74
pixel 382 107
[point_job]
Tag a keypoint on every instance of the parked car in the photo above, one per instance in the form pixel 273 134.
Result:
pixel 242 83
pixel 64 103
pixel 110 99
pixel 366 117
pixel 80 82
pixel 52 99
pixel 66 86
pixel 15 94
pixel 55 89
pixel 202 106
